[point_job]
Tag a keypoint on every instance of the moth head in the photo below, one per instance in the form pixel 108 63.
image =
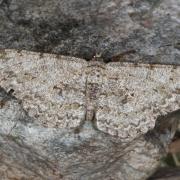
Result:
pixel 98 57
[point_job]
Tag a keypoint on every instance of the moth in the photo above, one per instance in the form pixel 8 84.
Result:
pixel 120 99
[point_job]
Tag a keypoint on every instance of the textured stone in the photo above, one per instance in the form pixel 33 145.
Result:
pixel 82 28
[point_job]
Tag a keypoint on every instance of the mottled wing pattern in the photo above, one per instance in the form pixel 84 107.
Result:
pixel 132 97
pixel 54 97
pixel 123 99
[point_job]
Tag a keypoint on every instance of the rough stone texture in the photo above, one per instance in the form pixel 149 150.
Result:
pixel 34 144
pixel 82 28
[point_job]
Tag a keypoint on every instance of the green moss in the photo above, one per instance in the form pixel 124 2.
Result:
pixel 169 161
pixel 16 139
pixel 3 54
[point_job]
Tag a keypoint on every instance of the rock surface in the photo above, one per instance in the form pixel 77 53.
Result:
pixel 145 31
pixel 34 144
pixel 148 30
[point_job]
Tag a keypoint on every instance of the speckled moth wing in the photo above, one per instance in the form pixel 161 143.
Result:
pixel 133 96
pixel 58 91
pixel 51 87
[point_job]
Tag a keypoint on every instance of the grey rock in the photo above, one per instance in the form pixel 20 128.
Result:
pixel 79 28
